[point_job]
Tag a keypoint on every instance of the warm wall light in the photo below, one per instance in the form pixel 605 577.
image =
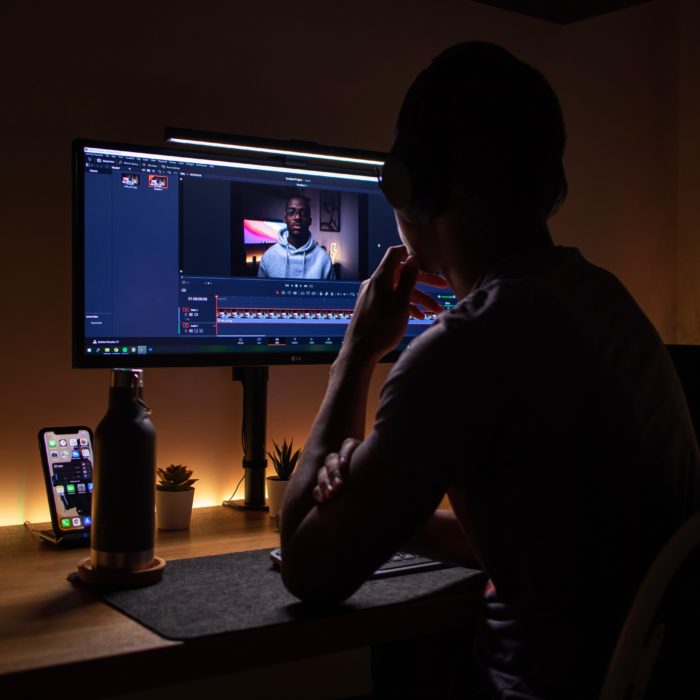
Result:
pixel 205 497
pixel 334 252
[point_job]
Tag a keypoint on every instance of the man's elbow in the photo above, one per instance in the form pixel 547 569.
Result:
pixel 316 587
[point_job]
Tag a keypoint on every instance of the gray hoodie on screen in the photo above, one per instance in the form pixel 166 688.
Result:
pixel 309 261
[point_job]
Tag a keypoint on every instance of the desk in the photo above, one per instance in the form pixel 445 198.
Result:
pixel 58 638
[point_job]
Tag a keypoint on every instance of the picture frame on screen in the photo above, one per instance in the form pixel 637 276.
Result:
pixel 329 211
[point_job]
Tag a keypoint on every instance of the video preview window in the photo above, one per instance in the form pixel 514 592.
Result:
pixel 237 229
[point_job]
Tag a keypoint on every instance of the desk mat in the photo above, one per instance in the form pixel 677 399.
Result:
pixel 232 592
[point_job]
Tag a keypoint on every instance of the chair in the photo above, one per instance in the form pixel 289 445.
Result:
pixel 643 632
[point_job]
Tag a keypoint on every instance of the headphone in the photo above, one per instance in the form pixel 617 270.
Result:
pixel 417 175
pixel 419 192
pixel 419 187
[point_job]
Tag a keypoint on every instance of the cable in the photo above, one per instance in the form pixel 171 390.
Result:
pixel 236 489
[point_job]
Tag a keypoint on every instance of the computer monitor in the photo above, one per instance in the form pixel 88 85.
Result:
pixel 184 258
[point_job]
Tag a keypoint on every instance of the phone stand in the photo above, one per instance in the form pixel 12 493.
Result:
pixel 67 540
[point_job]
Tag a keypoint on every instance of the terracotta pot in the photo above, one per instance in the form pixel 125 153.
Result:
pixel 276 489
pixel 174 509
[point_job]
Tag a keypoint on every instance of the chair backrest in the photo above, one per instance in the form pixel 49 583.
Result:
pixel 641 636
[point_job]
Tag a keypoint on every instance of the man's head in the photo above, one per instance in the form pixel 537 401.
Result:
pixel 297 215
pixel 482 122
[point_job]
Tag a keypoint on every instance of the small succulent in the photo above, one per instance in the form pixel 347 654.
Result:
pixel 284 460
pixel 175 477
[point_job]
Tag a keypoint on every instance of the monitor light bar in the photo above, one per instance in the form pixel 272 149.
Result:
pixel 279 148
pixel 275 151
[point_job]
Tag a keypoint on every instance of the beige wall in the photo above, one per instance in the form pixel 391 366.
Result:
pixel 689 174
pixel 124 70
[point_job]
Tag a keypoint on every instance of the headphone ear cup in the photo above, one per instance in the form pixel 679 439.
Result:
pixel 419 195
pixel 396 183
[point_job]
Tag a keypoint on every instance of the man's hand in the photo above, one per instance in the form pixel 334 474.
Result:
pixel 386 301
pixel 331 475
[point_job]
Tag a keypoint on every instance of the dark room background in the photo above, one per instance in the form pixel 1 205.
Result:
pixel 335 74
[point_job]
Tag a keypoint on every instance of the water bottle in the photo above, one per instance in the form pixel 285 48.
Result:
pixel 123 501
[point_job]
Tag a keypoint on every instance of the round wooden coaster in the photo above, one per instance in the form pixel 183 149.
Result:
pixel 119 577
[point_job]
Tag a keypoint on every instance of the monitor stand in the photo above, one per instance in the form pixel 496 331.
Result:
pixel 254 380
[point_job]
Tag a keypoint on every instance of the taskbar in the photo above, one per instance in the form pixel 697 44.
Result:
pixel 211 345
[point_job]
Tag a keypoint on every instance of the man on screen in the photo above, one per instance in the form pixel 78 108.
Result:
pixel 296 254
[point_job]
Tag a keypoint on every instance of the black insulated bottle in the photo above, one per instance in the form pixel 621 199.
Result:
pixel 123 502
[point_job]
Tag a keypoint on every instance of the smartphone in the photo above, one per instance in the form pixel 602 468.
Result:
pixel 67 461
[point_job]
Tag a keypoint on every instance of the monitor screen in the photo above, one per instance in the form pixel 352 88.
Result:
pixel 187 258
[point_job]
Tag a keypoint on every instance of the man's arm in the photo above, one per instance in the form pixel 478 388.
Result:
pixel 444 536
pixel 341 415
pixel 329 550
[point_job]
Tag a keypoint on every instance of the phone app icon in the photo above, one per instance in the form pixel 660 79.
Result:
pixel 52 442
pixel 77 522
pixel 81 488
pixel 83 442
pixel 85 453
pixel 74 442
pixel 70 488
pixel 60 489
pixel 65 454
pixel 62 442
pixel 90 487
pixel 54 454
pixel 75 454
pixel 87 520
pixel 65 522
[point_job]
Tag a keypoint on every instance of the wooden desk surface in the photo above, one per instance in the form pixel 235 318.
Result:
pixel 51 630
pixel 45 620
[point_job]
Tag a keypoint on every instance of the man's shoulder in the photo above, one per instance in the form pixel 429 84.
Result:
pixel 442 348
pixel 548 293
pixel 516 308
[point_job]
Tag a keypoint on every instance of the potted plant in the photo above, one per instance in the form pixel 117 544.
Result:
pixel 284 460
pixel 174 496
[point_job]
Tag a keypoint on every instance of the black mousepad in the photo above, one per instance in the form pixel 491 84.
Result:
pixel 232 592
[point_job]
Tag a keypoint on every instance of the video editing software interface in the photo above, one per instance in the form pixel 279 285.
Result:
pixel 205 255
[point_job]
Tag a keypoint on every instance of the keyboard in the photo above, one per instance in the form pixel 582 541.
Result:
pixel 399 564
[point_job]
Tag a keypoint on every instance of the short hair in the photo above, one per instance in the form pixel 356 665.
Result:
pixel 492 122
pixel 307 200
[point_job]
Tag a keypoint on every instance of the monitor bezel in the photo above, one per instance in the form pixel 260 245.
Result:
pixel 79 358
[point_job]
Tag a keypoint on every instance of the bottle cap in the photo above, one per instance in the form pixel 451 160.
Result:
pixel 127 378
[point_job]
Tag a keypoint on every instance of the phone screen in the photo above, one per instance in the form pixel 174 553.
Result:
pixel 69 462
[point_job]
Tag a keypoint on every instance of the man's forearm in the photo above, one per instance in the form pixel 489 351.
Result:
pixel 341 415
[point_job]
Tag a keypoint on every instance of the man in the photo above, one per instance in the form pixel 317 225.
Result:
pixel 297 255
pixel 544 404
